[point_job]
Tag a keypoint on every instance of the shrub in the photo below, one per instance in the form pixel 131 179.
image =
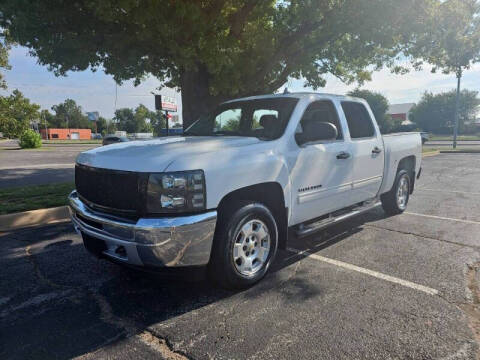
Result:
pixel 30 140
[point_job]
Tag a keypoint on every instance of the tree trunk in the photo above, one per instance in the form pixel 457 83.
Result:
pixel 196 97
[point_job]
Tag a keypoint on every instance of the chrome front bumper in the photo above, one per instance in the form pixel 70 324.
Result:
pixel 151 242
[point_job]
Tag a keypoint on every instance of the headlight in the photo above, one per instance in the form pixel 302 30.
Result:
pixel 171 192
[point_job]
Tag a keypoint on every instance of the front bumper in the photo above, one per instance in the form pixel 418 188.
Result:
pixel 150 242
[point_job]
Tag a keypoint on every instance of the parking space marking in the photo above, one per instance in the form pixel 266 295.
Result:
pixel 443 218
pixel 365 271
pixel 449 191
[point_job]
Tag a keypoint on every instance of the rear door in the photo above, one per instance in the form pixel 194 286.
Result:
pixel 367 151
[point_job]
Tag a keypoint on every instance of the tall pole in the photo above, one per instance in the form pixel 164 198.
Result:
pixel 46 129
pixel 166 120
pixel 457 110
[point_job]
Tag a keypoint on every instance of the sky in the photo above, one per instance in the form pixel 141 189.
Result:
pixel 95 91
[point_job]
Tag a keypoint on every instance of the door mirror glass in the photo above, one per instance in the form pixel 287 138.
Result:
pixel 315 130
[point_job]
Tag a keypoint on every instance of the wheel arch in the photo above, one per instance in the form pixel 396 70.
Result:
pixel 270 194
pixel 408 163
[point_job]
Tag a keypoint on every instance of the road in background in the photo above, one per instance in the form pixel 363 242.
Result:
pixel 52 163
pixel 449 143
pixel 375 287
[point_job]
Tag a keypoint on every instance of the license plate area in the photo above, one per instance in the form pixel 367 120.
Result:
pixel 94 245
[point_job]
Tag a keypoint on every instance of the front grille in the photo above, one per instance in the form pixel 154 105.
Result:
pixel 108 189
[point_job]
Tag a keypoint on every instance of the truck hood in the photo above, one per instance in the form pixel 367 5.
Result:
pixel 155 155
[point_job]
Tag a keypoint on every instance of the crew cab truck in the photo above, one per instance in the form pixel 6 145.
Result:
pixel 228 193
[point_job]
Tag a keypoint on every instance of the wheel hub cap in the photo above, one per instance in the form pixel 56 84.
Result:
pixel 402 193
pixel 251 247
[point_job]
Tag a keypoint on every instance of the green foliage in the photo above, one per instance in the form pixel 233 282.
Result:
pixel 214 50
pixel 4 48
pixel 69 115
pixel 436 113
pixel 16 114
pixel 452 40
pixel 30 140
pixel 139 120
pixel 379 105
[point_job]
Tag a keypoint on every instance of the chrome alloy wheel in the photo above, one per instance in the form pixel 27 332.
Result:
pixel 402 192
pixel 251 247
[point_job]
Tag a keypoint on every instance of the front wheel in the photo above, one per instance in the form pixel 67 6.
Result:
pixel 245 246
pixel 396 200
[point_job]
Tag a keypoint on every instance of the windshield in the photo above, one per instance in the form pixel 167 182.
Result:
pixel 262 118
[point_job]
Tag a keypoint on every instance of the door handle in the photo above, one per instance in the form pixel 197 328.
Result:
pixel 343 155
pixel 376 150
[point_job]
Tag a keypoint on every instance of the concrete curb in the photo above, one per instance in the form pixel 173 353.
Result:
pixel 460 151
pixel 431 153
pixel 31 218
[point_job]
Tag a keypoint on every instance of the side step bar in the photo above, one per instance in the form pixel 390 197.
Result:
pixel 308 229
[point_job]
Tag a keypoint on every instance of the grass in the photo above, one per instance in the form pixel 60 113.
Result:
pixel 450 137
pixel 94 141
pixel 34 197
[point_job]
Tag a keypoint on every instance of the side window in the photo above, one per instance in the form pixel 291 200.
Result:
pixel 228 120
pixel 323 110
pixel 359 122
pixel 259 116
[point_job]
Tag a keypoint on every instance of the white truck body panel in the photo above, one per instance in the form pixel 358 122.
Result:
pixel 314 181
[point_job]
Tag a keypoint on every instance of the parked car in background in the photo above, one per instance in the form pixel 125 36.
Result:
pixel 229 192
pixel 425 137
pixel 96 136
pixel 113 139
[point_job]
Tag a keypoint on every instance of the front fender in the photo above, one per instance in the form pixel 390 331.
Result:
pixel 230 170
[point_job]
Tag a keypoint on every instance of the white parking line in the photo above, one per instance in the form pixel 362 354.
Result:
pixel 443 218
pixel 373 273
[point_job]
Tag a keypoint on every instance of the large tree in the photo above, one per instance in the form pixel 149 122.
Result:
pixel 213 50
pixel 436 113
pixel 452 43
pixel 135 121
pixel 16 114
pixel 69 115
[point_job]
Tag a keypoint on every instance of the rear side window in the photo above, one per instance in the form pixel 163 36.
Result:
pixel 358 120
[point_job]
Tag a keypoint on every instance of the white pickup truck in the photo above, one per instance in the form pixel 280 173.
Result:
pixel 229 192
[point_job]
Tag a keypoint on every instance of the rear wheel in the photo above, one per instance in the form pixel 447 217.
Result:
pixel 245 246
pixel 396 200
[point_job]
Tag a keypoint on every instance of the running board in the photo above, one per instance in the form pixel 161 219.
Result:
pixel 305 230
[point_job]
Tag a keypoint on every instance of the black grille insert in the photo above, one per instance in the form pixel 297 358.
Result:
pixel 108 189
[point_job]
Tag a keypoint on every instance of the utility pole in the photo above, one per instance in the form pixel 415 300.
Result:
pixel 457 109
pixel 46 129
pixel 166 121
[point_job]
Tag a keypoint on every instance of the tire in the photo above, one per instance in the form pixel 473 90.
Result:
pixel 395 201
pixel 244 247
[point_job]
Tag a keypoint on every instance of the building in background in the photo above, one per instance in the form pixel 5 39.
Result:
pixel 401 111
pixel 66 134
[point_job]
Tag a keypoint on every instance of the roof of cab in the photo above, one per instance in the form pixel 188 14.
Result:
pixel 298 95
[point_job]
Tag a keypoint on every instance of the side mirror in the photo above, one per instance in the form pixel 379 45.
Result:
pixel 317 131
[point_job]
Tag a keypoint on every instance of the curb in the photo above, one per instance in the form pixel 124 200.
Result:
pixel 460 151
pixel 31 218
pixel 431 153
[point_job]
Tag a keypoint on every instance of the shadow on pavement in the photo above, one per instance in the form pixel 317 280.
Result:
pixel 57 301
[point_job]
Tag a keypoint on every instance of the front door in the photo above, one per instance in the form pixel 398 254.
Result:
pixel 321 174
pixel 367 151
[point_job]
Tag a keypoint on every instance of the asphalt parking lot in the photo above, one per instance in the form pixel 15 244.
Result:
pixel 377 287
